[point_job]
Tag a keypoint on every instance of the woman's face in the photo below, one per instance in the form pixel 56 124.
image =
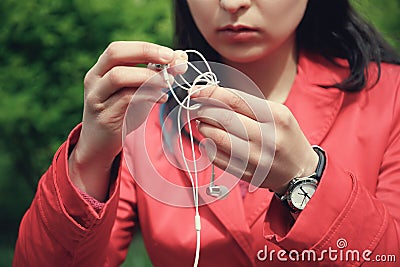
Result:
pixel 247 30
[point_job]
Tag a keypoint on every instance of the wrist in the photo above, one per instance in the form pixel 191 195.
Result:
pixel 307 169
pixel 310 164
pixel 301 189
pixel 90 174
pixel 280 191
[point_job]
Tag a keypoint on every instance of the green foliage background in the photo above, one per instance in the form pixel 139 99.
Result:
pixel 46 48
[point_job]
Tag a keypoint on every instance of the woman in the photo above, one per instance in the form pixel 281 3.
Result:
pixel 329 80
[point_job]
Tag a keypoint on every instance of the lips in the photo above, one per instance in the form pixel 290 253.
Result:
pixel 237 28
pixel 237 33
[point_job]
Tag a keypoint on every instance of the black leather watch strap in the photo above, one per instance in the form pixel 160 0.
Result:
pixel 321 162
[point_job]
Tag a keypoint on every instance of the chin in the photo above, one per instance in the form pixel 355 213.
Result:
pixel 242 60
pixel 243 57
pixel 245 52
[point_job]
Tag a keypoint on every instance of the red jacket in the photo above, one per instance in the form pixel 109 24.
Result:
pixel 355 211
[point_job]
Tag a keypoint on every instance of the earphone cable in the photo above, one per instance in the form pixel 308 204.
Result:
pixel 211 80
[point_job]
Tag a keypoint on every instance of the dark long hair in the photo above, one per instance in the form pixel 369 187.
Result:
pixel 331 28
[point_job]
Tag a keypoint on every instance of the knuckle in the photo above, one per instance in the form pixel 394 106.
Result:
pixel 227 117
pixel 112 50
pixel 114 77
pixel 280 144
pixel 87 80
pixel 214 91
pixel 284 119
pixel 209 92
pixel 93 103
pixel 235 101
pixel 146 50
pixel 266 132
pixel 251 134
pixel 253 155
pixel 220 139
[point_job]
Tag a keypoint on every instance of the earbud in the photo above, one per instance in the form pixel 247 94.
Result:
pixel 218 191
pixel 160 67
pixel 157 66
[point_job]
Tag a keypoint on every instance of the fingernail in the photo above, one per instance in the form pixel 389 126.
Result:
pixel 163 99
pixel 194 92
pixel 183 56
pixel 166 53
pixel 196 106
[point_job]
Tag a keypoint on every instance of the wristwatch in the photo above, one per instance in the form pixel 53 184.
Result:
pixel 301 189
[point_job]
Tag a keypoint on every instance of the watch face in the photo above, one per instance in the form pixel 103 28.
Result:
pixel 301 194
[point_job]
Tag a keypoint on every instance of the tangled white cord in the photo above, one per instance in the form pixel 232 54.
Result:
pixel 207 79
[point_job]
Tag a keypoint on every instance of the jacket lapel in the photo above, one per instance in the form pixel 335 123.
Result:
pixel 315 107
pixel 231 213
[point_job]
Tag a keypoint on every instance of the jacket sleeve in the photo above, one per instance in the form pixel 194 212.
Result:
pixel 344 218
pixel 62 227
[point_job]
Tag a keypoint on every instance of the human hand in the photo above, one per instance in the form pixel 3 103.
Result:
pixel 109 86
pixel 256 140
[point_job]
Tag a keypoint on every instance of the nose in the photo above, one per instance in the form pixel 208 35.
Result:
pixel 233 6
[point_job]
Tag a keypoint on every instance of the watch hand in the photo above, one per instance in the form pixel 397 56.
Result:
pixel 305 193
pixel 304 198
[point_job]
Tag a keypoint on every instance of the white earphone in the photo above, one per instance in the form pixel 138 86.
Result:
pixel 218 191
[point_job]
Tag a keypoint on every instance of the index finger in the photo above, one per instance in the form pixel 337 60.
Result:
pixel 246 104
pixel 129 53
